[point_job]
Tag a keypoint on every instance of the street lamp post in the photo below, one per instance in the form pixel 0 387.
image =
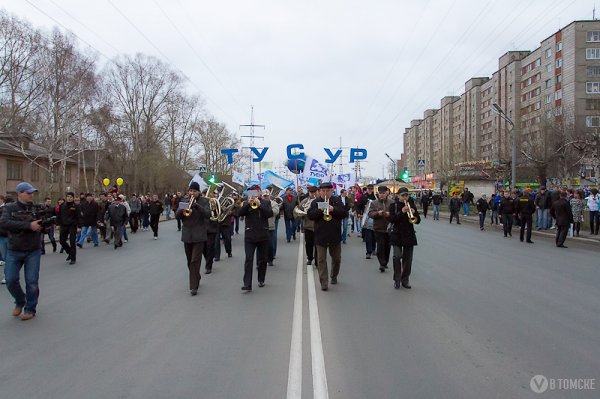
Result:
pixel 497 109
pixel 394 165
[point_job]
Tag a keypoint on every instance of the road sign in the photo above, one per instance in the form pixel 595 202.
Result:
pixel 421 162
pixel 202 169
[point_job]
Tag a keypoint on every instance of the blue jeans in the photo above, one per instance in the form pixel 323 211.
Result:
pixel 274 238
pixel 91 230
pixel 436 212
pixel 481 219
pixel 541 216
pixel 14 261
pixel 466 209
pixel 290 228
pixel 369 236
pixel 344 229
pixel 168 212
pixel 3 247
pixel 357 224
pixel 124 232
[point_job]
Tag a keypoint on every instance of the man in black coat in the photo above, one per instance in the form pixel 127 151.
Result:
pixel 367 232
pixel 525 208
pixel 328 232
pixel 379 213
pixel 256 236
pixel 454 207
pixel 69 220
pixel 117 215
pixel 289 203
pixel 403 237
pixel 156 209
pixel 561 211
pixel 506 211
pixel 194 233
pixel 90 216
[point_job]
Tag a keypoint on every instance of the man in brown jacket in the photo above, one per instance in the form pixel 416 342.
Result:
pixel 379 212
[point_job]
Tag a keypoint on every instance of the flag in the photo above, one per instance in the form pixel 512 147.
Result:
pixel 198 179
pixel 273 178
pixel 238 178
pixel 316 170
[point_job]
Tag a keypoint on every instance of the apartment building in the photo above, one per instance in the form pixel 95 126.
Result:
pixel 559 82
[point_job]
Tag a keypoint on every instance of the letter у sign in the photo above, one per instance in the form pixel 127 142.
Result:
pixel 356 154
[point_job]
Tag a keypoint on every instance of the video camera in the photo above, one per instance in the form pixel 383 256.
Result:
pixel 38 212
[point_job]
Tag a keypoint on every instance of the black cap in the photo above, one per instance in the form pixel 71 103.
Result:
pixel 403 190
pixel 312 189
pixel 71 193
pixel 382 189
pixel 369 186
pixel 194 186
pixel 326 185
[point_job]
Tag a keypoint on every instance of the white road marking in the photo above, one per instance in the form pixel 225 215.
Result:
pixel 316 345
pixel 294 387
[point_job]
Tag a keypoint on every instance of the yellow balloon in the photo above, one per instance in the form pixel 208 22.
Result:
pixel 106 181
pixel 119 182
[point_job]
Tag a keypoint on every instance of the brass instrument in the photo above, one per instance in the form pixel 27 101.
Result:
pixel 326 216
pixel 254 204
pixel 302 210
pixel 275 191
pixel 215 206
pixel 411 217
pixel 188 211
pixel 226 201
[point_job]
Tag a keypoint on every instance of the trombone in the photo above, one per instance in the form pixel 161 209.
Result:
pixel 188 211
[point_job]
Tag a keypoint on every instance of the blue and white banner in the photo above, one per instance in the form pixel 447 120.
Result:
pixel 274 178
pixel 313 169
pixel 198 179
pixel 239 178
pixel 344 181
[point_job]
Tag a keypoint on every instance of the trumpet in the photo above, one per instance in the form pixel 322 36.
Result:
pixel 188 211
pixel 411 217
pixel 326 216
pixel 254 203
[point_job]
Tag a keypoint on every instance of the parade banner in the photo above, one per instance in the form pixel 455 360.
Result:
pixel 238 178
pixel 344 181
pixel 313 169
pixel 273 178
pixel 198 179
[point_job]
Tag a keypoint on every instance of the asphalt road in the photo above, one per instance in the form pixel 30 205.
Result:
pixel 485 315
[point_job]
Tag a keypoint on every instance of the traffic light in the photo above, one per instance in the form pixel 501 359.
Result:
pixel 405 174
pixel 212 179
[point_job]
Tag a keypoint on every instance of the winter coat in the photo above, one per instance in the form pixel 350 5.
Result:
pixel 257 220
pixel 482 205
pixel 454 204
pixel 91 213
pixel 507 206
pixel 69 214
pixel 525 206
pixel 156 208
pixel 117 214
pixel 194 228
pixel 275 208
pixel 16 220
pixel 593 201
pixel 577 208
pixel 289 203
pixel 543 201
pixel 135 205
pixel 436 199
pixel 328 232
pixel 561 211
pixel 380 222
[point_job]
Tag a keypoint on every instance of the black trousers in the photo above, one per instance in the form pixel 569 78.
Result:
pixel 225 234
pixel 134 221
pixel 261 249
pixel 209 250
pixel 270 255
pixel 425 208
pixel 561 234
pixel 507 223
pixel 311 248
pixel 118 234
pixel 454 214
pixel 154 224
pixel 237 224
pixel 403 256
pixel 383 248
pixel 193 253
pixel 526 222
pixel 69 232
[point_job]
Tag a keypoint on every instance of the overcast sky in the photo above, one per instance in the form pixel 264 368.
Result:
pixel 315 71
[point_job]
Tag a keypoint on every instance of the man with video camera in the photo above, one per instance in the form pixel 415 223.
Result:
pixel 24 223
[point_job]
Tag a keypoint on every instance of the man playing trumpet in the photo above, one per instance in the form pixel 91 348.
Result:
pixel 403 215
pixel 328 212
pixel 194 219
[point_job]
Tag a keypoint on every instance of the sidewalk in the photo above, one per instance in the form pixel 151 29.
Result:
pixel 474 219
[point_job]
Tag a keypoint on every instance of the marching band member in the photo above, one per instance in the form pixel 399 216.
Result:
pixel 379 213
pixel 328 232
pixel 403 236
pixel 194 233
pixel 275 206
pixel 256 211
pixel 309 228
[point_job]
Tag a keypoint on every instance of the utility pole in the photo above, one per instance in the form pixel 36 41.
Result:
pixel 514 134
pixel 252 136
pixel 341 157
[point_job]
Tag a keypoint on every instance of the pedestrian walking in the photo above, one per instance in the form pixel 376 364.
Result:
pixel 69 220
pixel 482 208
pixel 525 208
pixel 117 216
pixel 507 211
pixel 155 210
pixel 90 217
pixel 577 208
pixel 454 207
pixel 593 202
pixel 425 200
pixel 379 212
pixel 436 200
pixel 561 211
pixel 403 237
pixel 466 199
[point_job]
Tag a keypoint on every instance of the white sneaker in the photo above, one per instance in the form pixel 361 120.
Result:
pixel 156 238
pixel 3 281
pixel 1 263
pixel 125 241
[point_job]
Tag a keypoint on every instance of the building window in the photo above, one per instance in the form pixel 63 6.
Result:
pixel 592 87
pixel 35 172
pixel 537 105
pixel 537 63
pixel 549 68
pixel 548 53
pixel 68 175
pixel 592 53
pixel 548 83
pixel 14 170
pixel 558 79
pixel 558 62
pixel 558 46
pixel 592 121
pixel 593 36
pixel 558 94
pixel 558 111
pixel 548 99
pixel 593 71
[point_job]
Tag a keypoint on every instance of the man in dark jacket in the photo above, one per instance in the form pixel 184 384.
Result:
pixel 425 200
pixel 542 205
pixel 194 233
pixel 135 207
pixel 90 216
pixel 482 207
pixel 289 203
pixel 561 211
pixel 454 207
pixel 403 237
pixel 506 211
pixel 23 251
pixel 367 232
pixel 467 199
pixel 155 210
pixel 256 236
pixel 117 215
pixel 379 212
pixel 436 200
pixel 525 208
pixel 69 220
pixel 328 212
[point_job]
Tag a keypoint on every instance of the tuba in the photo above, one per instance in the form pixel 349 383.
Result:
pixel 188 211
pixel 302 210
pixel 275 192
pixel 215 206
pixel 226 201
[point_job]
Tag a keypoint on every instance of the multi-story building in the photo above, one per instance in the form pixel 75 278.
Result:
pixel 557 83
